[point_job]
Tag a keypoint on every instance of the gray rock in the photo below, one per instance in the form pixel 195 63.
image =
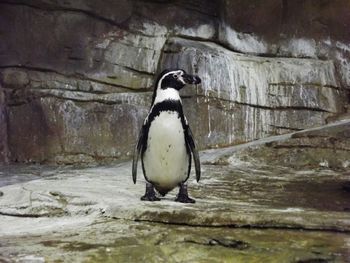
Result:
pixel 4 151
pixel 96 213
pixel 68 131
pixel 261 76
pixel 243 98
pixel 327 146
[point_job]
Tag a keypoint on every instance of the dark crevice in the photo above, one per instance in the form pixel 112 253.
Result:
pixel 77 76
pixel 114 85
pixel 24 215
pixel 75 58
pixel 37 94
pixel 286 128
pixel 301 146
pixel 277 108
pixel 133 70
pixel 39 89
pixel 228 243
pixel 101 101
pixel 318 85
pixel 20 66
pixel 244 226
pixel 197 38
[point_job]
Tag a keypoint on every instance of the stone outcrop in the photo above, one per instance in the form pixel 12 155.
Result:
pixel 325 147
pixel 245 209
pixel 77 75
pixel 3 128
pixel 244 97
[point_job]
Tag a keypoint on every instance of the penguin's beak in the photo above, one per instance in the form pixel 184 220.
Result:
pixel 191 79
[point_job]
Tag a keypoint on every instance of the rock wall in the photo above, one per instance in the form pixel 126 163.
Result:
pixel 245 97
pixel 3 128
pixel 326 146
pixel 77 75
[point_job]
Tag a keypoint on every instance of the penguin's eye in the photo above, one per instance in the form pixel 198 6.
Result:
pixel 176 76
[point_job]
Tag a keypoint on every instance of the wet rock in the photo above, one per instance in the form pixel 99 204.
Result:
pixel 250 194
pixel 327 146
pixel 243 98
pixel 273 82
pixel 252 206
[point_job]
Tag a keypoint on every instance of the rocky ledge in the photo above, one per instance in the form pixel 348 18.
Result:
pixel 248 208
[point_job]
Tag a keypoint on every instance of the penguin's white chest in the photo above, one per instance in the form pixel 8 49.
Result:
pixel 165 159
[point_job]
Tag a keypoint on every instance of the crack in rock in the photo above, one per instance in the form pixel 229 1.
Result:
pixel 224 242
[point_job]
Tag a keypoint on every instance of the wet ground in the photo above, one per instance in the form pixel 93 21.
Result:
pixel 283 187
pixel 246 211
pixel 15 174
pixel 125 241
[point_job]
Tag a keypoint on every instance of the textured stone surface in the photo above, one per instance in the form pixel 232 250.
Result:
pixel 3 128
pixel 245 210
pixel 74 131
pixel 244 97
pixel 308 28
pixel 75 85
pixel 77 69
pixel 327 146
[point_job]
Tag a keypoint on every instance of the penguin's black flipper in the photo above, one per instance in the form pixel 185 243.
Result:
pixel 191 144
pixel 137 152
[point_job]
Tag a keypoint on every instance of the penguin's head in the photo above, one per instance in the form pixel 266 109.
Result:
pixel 176 79
pixel 170 80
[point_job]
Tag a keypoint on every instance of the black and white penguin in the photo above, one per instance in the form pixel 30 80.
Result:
pixel 166 142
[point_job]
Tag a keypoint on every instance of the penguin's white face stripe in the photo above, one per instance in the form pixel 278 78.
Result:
pixel 180 78
pixel 175 72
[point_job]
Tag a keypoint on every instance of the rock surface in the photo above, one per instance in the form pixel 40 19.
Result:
pixel 243 98
pixel 326 146
pixel 3 128
pixel 77 75
pixel 246 210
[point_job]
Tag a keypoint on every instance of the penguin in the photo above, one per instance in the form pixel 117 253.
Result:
pixel 165 142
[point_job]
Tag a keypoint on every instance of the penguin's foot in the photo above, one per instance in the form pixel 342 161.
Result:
pixel 150 194
pixel 150 198
pixel 184 199
pixel 182 196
